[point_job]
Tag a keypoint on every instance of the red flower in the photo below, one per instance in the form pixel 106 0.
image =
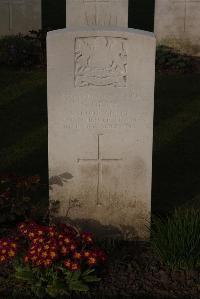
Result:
pixel 75 266
pixel 94 257
pixel 77 255
pixel 8 250
pixel 61 236
pixel 47 263
pixel 71 265
pixel 87 237
pixel 38 240
pixel 92 261
pixel 43 252
pixel 86 253
pixel 67 240
pixel 53 254
pixel 64 250
pixel 72 247
pixel 3 259
pixel 32 230
pixel 67 263
pixel 52 232
pixel 49 245
pixel 26 228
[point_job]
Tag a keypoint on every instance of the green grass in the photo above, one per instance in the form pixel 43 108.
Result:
pixel 176 163
pixel 176 240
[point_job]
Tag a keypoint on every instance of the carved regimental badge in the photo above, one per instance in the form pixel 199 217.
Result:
pixel 100 61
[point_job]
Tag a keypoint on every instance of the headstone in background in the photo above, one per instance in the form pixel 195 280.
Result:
pixel 19 16
pixel 100 127
pixel 177 24
pixel 141 13
pixel 97 13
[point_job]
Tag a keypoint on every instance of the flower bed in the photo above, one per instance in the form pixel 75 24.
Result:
pixel 53 260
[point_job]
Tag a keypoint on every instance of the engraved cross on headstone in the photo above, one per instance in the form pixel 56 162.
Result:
pixel 10 4
pixel 99 160
pixel 186 2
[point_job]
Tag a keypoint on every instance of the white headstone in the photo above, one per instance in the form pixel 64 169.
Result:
pixel 19 16
pixel 97 13
pixel 177 24
pixel 100 123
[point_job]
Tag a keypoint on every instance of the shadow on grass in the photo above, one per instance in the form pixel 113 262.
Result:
pixel 176 163
pixel 20 116
pixel 24 126
pixel 176 171
pixel 173 93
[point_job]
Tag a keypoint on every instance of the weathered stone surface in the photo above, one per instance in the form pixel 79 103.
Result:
pixel 19 16
pixel 97 13
pixel 100 114
pixel 177 24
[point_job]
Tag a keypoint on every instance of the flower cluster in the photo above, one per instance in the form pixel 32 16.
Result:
pixel 31 230
pixel 62 244
pixel 50 245
pixel 42 253
pixel 8 250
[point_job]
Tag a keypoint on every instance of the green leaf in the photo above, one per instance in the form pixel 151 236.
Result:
pixel 53 292
pixel 56 289
pixel 25 275
pixel 68 275
pixel 87 272
pixel 39 291
pixel 57 284
pixel 91 278
pixel 76 275
pixel 78 286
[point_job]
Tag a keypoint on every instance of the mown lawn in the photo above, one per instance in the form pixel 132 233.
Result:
pixel 176 163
